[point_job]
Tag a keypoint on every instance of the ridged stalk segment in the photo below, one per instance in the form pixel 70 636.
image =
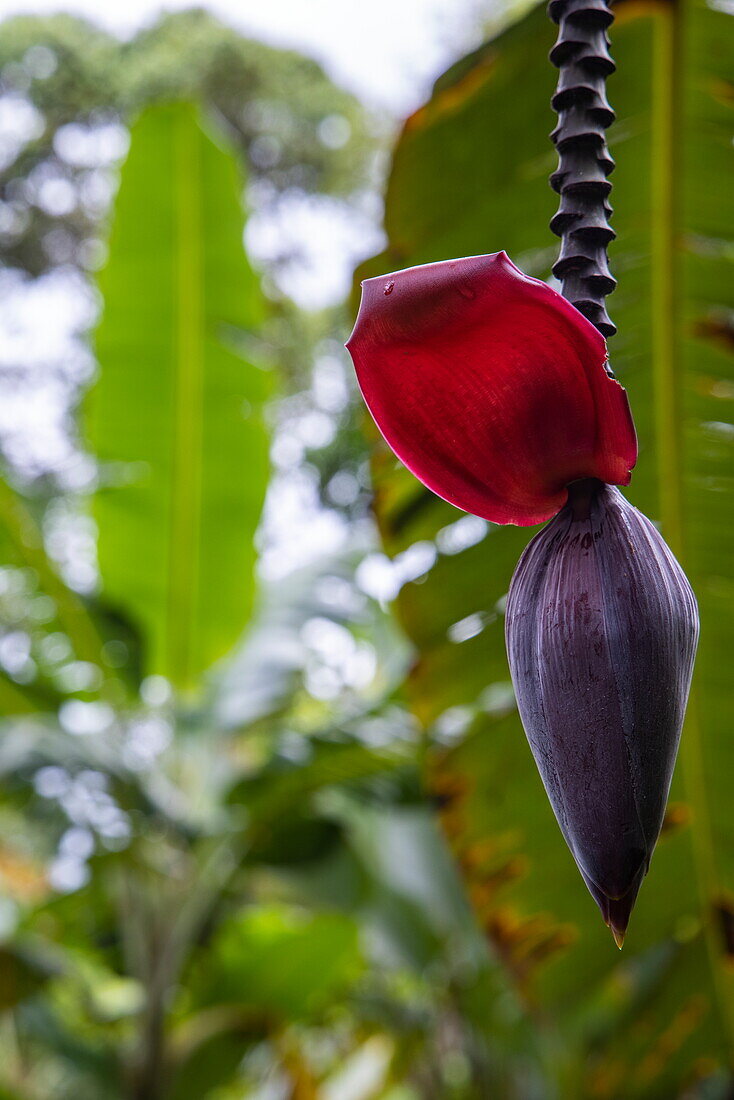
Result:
pixel 581 53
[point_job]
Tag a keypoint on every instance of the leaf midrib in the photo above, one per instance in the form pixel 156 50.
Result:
pixel 188 368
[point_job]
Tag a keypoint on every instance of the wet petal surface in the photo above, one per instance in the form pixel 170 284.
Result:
pixel 490 387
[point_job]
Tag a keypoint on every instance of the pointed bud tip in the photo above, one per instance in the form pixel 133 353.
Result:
pixel 619 935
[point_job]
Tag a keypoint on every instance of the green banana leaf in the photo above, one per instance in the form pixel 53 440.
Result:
pixel 176 415
pixel 469 176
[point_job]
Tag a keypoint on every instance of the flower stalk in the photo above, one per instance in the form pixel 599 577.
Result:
pixel 581 53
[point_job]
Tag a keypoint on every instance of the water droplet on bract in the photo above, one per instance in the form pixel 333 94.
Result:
pixel 467 292
pixel 388 287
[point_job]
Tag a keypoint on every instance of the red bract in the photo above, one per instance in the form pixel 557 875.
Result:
pixel 490 387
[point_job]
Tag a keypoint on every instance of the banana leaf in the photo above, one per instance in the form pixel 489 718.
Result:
pixel 175 417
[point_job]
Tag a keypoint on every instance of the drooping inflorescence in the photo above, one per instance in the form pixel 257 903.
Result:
pixel 496 392
pixel 582 54
pixel 601 629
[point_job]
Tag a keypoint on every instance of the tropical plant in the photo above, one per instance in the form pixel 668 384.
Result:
pixel 221 868
pixel 658 1021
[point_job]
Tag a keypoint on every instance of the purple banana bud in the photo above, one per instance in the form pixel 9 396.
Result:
pixel 601 631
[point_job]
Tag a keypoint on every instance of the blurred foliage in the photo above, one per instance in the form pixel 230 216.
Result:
pixel 294 128
pixel 198 889
pixel 221 874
